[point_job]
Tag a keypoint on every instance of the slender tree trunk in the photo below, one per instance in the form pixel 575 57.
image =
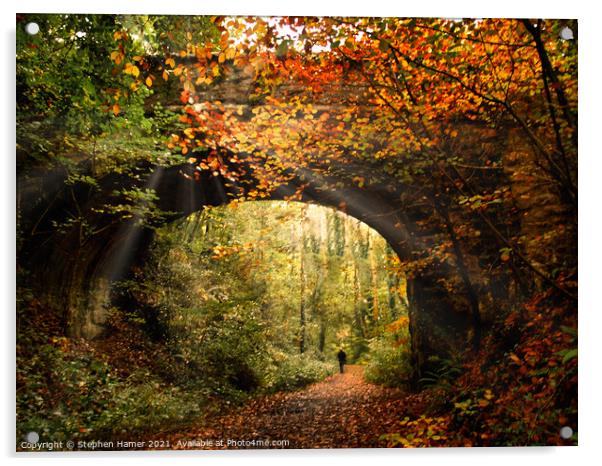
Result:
pixel 373 281
pixel 302 322
pixel 392 286
pixel 359 318
pixel 326 251
pixel 322 336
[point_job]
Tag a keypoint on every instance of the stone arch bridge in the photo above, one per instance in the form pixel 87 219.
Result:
pixel 81 273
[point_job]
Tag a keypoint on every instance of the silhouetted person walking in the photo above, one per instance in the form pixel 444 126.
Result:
pixel 342 359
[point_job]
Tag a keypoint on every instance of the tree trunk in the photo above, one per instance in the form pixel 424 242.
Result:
pixel 302 322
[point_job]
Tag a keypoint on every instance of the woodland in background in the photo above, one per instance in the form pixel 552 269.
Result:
pixel 467 127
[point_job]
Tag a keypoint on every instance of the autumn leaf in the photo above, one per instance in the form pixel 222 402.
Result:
pixel 230 53
pixel 132 69
pixel 118 35
pixel 515 358
pixel 117 57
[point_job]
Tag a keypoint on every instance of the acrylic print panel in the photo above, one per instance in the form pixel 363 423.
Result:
pixel 295 232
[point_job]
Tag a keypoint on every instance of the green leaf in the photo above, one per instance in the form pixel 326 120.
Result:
pixel 570 354
pixel 569 330
pixel 282 49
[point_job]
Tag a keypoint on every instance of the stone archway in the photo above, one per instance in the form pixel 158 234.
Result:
pixel 81 277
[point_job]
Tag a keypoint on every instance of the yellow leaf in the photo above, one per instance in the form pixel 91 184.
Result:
pixel 221 58
pixel 149 81
pixel 183 53
pixel 171 62
pixel 132 69
pixel 184 150
pixel 189 35
pixel 116 109
pixel 165 76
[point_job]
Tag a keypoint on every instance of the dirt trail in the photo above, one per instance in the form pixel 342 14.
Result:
pixel 342 411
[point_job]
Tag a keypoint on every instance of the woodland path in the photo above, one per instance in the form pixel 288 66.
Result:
pixel 342 411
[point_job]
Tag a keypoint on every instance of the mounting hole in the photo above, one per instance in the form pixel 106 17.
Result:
pixel 32 437
pixel 566 33
pixel 566 432
pixel 32 28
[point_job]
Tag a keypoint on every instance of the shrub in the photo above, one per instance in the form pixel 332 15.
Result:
pixel 289 372
pixel 388 364
pixel 65 393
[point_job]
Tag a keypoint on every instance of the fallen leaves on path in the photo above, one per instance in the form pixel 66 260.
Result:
pixel 342 411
